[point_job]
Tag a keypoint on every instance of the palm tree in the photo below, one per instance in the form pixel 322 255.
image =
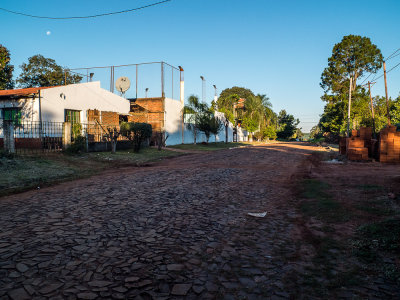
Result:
pixel 254 112
pixel 269 115
pixel 192 110
pixel 264 100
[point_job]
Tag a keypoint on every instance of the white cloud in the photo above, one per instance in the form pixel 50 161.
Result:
pixel 48 32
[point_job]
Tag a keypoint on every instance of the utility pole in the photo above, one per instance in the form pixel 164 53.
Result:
pixel 348 113
pixel 372 109
pixel 387 98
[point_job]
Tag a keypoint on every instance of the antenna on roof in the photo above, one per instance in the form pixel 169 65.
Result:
pixel 123 84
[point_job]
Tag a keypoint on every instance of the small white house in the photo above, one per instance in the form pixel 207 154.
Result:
pixel 59 104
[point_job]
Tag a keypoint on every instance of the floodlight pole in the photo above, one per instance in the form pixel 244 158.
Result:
pixel 182 100
pixel 215 96
pixel 203 88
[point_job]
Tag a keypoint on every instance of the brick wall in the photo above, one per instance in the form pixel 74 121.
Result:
pixel 93 115
pixel 150 104
pixel 103 117
pixel 109 118
pixel 148 110
pixel 28 143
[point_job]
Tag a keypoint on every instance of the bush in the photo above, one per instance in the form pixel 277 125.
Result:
pixel 258 135
pixel 77 146
pixel 136 133
pixel 269 132
pixel 76 129
pixel 5 154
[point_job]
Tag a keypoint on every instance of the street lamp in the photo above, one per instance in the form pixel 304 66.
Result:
pixel 146 90
pixel 203 88
pixel 215 97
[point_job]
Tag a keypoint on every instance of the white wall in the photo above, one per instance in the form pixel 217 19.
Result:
pixel 173 127
pixel 173 121
pixel 81 96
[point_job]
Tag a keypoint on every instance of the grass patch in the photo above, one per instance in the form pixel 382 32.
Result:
pixel 370 187
pixel 20 173
pixel 128 156
pixel 376 241
pixel 209 146
pixel 345 278
pixel 376 207
pixel 383 235
pixel 321 204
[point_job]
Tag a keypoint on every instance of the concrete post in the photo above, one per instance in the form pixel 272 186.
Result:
pixel 87 141
pixel 9 141
pixel 67 132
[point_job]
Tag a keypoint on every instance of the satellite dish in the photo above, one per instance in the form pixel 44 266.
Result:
pixel 123 84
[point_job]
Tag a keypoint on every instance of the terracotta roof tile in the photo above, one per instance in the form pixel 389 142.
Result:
pixel 22 92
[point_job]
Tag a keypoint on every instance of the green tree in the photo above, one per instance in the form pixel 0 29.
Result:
pixel 6 69
pixel 202 118
pixel 42 71
pixel 228 96
pixel 287 125
pixel 208 123
pixel 351 58
pixel 253 114
pixel 137 133
pixel 269 132
pixel 333 119
pixel 192 112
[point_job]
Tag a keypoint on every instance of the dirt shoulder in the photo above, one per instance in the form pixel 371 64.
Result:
pixel 21 173
pixel 348 229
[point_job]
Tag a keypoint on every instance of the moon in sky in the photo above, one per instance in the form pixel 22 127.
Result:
pixel 48 32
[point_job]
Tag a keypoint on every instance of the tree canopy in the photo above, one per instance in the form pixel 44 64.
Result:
pixel 42 71
pixel 255 115
pixel 351 58
pixel 6 69
pixel 287 125
pixel 227 95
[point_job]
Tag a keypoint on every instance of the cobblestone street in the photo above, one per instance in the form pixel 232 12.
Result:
pixel 175 229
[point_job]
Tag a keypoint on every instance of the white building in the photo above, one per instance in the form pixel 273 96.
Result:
pixel 59 104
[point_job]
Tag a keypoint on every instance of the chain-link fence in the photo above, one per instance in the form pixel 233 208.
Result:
pixel 147 80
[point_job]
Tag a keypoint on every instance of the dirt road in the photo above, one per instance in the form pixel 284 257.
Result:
pixel 176 229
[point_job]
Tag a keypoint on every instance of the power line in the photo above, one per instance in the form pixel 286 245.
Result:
pixel 366 78
pixel 84 17
pixel 391 55
pixel 374 79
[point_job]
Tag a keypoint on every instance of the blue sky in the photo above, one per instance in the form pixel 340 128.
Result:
pixel 278 48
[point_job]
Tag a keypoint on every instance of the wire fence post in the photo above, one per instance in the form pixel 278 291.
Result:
pixel 137 66
pixel 162 80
